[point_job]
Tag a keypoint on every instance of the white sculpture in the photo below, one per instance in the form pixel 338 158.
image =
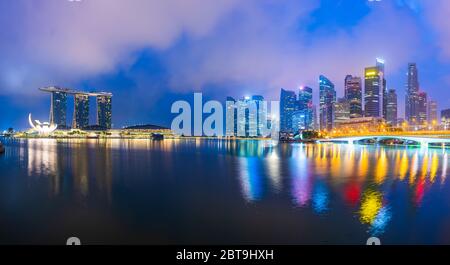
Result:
pixel 43 128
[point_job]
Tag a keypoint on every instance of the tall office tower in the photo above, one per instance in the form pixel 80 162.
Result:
pixel 305 104
pixel 341 111
pixel 81 111
pixel 422 108
pixel 315 122
pixel 353 94
pixel 261 111
pixel 247 117
pixel 288 104
pixel 383 96
pixel 412 94
pixel 58 109
pixel 391 107
pixel 375 91
pixel 445 119
pixel 104 111
pixel 432 112
pixel 298 121
pixel 327 99
pixel 231 117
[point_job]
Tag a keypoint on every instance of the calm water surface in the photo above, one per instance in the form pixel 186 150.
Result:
pixel 221 192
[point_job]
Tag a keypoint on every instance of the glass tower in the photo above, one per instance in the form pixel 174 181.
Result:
pixel 375 91
pixel 305 104
pixel 422 108
pixel 327 99
pixel 353 95
pixel 288 104
pixel 391 109
pixel 58 109
pixel 231 117
pixel 432 112
pixel 412 94
pixel 104 111
pixel 81 111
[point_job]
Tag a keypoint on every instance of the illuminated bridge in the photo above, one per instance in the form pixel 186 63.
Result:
pixel 420 138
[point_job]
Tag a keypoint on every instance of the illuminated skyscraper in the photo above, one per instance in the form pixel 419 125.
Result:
pixel 327 95
pixel 353 94
pixel 58 109
pixel 261 117
pixel 104 111
pixel 391 109
pixel 231 117
pixel 375 91
pixel 81 111
pixel 422 108
pixel 412 94
pixel 445 119
pixel 298 121
pixel 341 111
pixel 288 104
pixel 432 112
pixel 305 104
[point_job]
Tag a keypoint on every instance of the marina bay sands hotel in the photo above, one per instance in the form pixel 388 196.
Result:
pixel 58 108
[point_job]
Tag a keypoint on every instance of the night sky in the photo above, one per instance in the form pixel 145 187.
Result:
pixel 150 53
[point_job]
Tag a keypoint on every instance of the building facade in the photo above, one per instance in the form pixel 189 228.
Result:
pixel 341 111
pixel 422 108
pixel 445 119
pixel 327 95
pixel 81 111
pixel 375 91
pixel 361 125
pixel 58 109
pixel 305 104
pixel 231 117
pixel 391 107
pixel 412 95
pixel 288 104
pixel 353 94
pixel 432 112
pixel 104 111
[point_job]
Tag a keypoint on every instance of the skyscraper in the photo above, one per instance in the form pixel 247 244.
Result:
pixel 104 111
pixel 315 122
pixel 375 91
pixel 391 107
pixel 298 121
pixel 231 117
pixel 288 104
pixel 412 94
pixel 422 108
pixel 327 95
pixel 341 111
pixel 81 111
pixel 383 96
pixel 58 109
pixel 305 104
pixel 432 112
pixel 445 119
pixel 261 110
pixel 353 94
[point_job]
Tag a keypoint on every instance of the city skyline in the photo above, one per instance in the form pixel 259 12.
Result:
pixel 333 38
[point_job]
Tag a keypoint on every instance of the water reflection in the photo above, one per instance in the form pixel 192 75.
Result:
pixel 376 186
pixel 362 175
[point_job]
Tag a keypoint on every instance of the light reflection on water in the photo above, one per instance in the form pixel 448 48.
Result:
pixel 372 185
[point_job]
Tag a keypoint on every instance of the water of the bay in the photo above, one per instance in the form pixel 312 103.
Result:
pixel 199 191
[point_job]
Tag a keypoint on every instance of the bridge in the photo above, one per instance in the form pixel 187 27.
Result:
pixel 423 139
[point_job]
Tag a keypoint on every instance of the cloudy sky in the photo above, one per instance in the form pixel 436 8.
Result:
pixel 150 53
